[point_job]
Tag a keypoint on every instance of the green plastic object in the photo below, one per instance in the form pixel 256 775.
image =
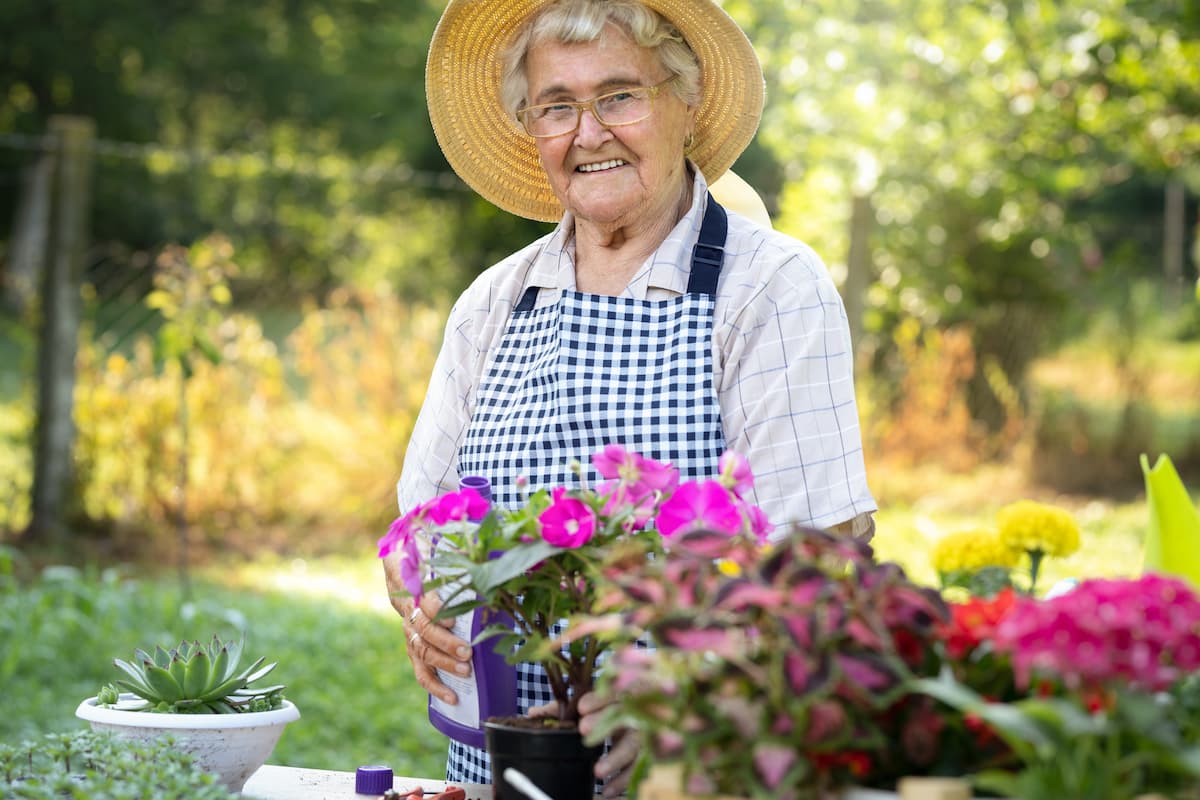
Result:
pixel 1173 537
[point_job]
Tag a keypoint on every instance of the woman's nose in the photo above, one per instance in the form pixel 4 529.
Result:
pixel 591 132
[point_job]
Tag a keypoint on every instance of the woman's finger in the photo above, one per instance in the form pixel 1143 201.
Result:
pixel 616 766
pixel 547 710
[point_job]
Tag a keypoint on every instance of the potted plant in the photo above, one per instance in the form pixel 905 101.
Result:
pixel 1108 680
pixel 539 564
pixel 199 696
pixel 776 673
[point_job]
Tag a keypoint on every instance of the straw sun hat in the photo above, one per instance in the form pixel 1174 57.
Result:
pixel 486 146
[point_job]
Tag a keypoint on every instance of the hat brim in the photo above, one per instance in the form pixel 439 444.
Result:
pixel 490 152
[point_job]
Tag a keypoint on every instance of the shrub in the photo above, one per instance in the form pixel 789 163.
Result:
pixel 101 767
pixel 310 438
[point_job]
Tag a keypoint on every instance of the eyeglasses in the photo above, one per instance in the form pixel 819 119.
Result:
pixel 613 109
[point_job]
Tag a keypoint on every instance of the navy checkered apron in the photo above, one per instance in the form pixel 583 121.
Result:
pixel 591 370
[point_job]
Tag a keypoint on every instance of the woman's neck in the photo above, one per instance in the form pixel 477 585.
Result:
pixel 607 258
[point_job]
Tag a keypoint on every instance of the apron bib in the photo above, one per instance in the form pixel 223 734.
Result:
pixel 592 370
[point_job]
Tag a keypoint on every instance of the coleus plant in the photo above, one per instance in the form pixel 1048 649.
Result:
pixel 192 679
pixel 775 673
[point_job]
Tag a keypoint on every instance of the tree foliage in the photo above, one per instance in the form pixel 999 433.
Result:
pixel 1014 151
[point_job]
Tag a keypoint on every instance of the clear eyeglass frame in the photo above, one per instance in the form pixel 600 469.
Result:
pixel 652 92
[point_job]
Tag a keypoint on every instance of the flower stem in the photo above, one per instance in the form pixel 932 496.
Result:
pixel 1035 563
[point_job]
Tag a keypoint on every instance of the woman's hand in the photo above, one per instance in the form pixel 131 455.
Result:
pixel 431 646
pixel 616 766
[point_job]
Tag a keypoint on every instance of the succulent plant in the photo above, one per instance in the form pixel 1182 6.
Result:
pixel 193 679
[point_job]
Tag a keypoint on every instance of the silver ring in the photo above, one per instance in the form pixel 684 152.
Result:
pixel 412 640
pixel 412 618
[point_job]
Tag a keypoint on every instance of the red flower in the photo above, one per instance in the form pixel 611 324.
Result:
pixel 974 622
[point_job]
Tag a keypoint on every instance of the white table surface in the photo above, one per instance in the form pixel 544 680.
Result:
pixel 297 783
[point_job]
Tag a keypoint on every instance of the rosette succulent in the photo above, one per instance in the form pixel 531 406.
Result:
pixel 193 679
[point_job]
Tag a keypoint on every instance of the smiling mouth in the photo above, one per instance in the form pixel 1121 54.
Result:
pixel 601 166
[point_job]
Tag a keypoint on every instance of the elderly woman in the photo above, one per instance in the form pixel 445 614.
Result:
pixel 650 317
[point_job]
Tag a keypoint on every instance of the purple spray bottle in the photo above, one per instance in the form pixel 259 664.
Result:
pixel 491 688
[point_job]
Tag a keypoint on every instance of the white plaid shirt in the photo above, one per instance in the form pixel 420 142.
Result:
pixel 782 363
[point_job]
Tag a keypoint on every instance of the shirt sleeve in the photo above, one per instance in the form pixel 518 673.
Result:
pixel 787 397
pixel 431 460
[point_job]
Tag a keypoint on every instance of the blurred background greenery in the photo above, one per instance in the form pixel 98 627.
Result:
pixel 1005 191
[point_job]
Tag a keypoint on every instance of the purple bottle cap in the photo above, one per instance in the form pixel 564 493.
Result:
pixel 372 779
pixel 477 482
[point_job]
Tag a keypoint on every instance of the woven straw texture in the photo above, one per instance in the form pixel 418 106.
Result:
pixel 488 149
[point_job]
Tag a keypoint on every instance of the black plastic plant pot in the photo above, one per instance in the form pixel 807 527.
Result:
pixel 554 759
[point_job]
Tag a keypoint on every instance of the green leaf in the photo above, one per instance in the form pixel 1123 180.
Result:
pixel 137 679
pixel 222 669
pixel 163 683
pixel 198 676
pixel 262 672
pixel 487 576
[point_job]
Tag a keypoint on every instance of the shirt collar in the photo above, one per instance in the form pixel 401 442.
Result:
pixel 667 268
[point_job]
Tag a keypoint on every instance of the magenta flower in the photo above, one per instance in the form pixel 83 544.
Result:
pixel 636 500
pixel 634 470
pixel 567 522
pixel 1141 632
pixel 699 505
pixel 735 472
pixel 410 568
pixel 760 526
pixel 400 529
pixel 402 535
pixel 457 506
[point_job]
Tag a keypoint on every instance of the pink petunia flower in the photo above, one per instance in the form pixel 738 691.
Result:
pixel 638 500
pixel 401 528
pixel 402 536
pixel 695 505
pixel 641 474
pixel 457 506
pixel 568 522
pixel 735 472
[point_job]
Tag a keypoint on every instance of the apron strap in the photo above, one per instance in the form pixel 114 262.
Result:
pixel 528 300
pixel 709 252
pixel 707 257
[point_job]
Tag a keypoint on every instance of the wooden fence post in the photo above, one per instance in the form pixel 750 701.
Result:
pixel 58 338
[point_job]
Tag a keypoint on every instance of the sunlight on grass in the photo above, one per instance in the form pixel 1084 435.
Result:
pixel 349 581
pixel 919 507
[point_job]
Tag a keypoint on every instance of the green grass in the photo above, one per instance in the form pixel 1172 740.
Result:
pixel 342 661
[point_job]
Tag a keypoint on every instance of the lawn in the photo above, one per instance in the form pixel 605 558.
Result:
pixel 338 647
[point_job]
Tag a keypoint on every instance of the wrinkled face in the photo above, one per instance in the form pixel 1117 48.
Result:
pixel 610 176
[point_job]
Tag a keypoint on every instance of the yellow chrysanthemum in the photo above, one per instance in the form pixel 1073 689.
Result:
pixel 972 550
pixel 1032 526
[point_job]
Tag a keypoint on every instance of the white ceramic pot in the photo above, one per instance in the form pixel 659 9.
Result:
pixel 232 746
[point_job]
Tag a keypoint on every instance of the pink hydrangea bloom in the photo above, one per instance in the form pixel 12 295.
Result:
pixel 697 504
pixel 1143 632
pixel 567 522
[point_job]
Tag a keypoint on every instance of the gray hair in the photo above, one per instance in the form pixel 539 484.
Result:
pixel 575 21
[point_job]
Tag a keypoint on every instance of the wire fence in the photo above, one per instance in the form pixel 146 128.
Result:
pixel 116 278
